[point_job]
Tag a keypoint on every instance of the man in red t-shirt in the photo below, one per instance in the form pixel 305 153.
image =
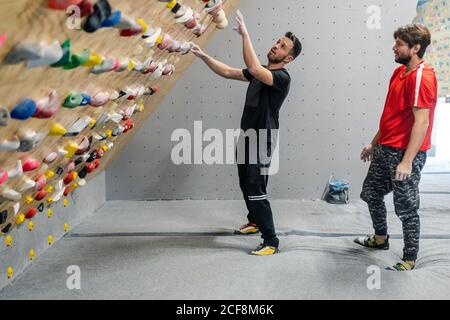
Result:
pixel 398 150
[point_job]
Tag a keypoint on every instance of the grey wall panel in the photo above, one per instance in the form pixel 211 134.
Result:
pixel 338 89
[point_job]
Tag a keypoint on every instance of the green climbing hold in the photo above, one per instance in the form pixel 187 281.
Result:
pixel 78 60
pixel 67 55
pixel 73 100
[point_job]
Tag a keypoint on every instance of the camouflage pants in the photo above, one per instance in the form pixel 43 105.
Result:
pixel 380 181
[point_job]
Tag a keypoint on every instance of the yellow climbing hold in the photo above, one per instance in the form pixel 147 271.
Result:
pixel 105 147
pixel 29 199
pixel 8 241
pixel 10 272
pixel 20 219
pixel 171 4
pixel 141 107
pixel 66 227
pixel 50 239
pixel 57 130
pixel 73 186
pixel 49 213
pixel 160 39
pixel 108 133
pixel 50 200
pixel 49 174
pixel 92 123
pixel 71 148
pixel 49 189
pixel 30 226
pixel 66 202
pixel 94 59
pixel 143 24
pixel 131 65
pixel 31 254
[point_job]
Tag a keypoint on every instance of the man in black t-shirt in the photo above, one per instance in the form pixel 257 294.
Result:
pixel 268 88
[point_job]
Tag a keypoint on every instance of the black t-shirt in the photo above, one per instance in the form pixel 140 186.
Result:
pixel 263 102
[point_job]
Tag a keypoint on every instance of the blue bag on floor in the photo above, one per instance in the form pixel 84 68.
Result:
pixel 337 191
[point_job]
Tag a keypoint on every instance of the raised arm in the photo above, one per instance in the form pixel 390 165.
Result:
pixel 218 67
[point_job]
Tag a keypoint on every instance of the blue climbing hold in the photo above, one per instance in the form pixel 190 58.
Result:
pixel 24 110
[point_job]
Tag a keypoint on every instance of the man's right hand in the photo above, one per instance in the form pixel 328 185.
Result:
pixel 197 51
pixel 367 153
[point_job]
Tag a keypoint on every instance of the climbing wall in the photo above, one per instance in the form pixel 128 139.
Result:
pixel 76 82
pixel 338 89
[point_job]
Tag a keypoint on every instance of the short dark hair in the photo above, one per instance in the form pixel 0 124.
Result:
pixel 414 34
pixel 297 49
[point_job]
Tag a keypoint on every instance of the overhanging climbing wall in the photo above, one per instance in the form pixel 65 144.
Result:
pixel 75 85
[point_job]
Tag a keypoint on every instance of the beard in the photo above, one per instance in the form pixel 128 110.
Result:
pixel 275 59
pixel 403 60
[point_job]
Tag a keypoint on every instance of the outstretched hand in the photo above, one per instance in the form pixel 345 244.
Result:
pixel 197 51
pixel 241 28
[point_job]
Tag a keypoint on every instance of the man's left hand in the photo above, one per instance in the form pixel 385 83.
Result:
pixel 241 27
pixel 403 171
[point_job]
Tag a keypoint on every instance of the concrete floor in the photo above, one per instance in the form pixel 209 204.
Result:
pixel 186 250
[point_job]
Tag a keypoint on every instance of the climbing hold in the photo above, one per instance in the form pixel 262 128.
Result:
pixel 4 116
pixel 49 189
pixel 50 239
pixel 10 272
pixel 90 167
pixel 24 110
pixel 27 184
pixel 30 226
pixel 49 213
pixel 48 106
pixel 150 39
pixel 30 213
pixel 66 227
pixel 49 174
pixel 77 60
pixel 71 167
pixel 50 54
pixel 3 38
pixel 40 195
pixel 7 145
pixel 3 176
pixel 67 55
pixel 17 171
pixel 6 228
pixel 24 51
pixel 107 65
pixel 96 163
pixel 10 194
pixel 30 164
pixel 100 99
pixel 83 146
pixel 78 126
pixel 3 216
pixel 50 157
pixel 62 4
pixel 29 199
pixel 31 254
pixel 29 140
pixel 20 219
pixel 71 148
pixel 86 99
pixel 94 60
pixel 65 202
pixel 41 207
pixel 73 100
pixel 9 241
pixel 102 11
pixel 83 172
pixel 113 20
pixel 41 182
pixel 68 179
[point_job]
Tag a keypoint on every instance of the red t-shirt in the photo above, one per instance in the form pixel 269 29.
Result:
pixel 417 89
